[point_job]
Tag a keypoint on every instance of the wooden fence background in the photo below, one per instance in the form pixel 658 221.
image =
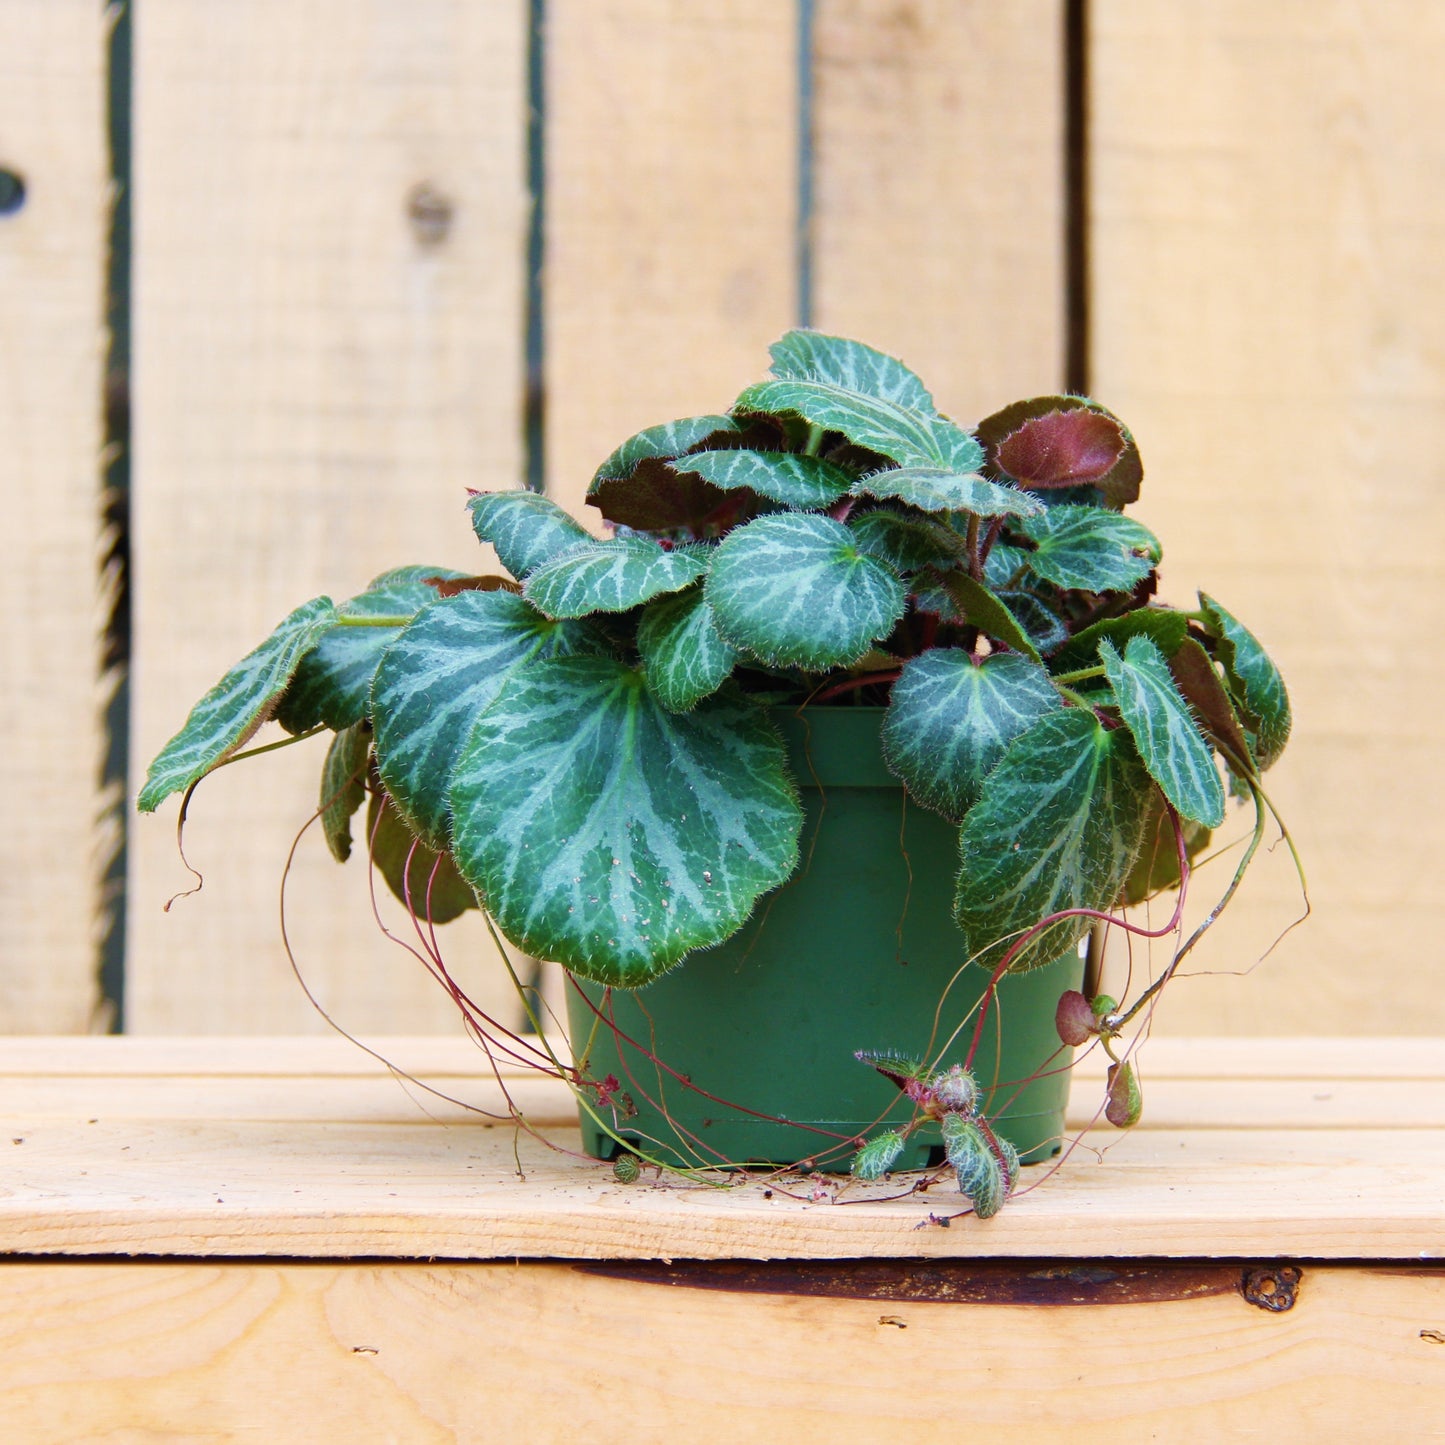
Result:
pixel 332 338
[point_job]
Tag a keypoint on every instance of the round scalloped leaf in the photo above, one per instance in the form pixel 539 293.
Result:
pixel 1169 743
pixel 424 882
pixel 1057 825
pixel 938 489
pixel 795 590
pixel 436 677
pixel 343 786
pixel 1090 548
pixel 813 356
pixel 526 528
pixel 610 576
pixel 685 656
pixel 906 541
pixel 1254 680
pixel 950 721
pixel 807 483
pixel 332 684
pixel 611 835
pixel 667 440
pixel 229 714
pixel 911 438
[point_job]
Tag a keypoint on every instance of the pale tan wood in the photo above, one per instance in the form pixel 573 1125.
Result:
pixel 939 194
pixel 414 1352
pixel 671 215
pixel 1267 311
pixel 52 344
pixel 318 380
pixel 334 1161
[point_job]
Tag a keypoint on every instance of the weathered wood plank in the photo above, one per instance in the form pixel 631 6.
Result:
pixel 320 372
pixel 1268 217
pixel 52 342
pixel 410 1352
pixel 671 210
pixel 939 190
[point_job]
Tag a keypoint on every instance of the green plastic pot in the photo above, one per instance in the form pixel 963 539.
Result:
pixel 854 952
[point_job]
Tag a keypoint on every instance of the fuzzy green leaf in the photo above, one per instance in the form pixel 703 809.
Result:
pixel 793 480
pixel 986 611
pixel 684 654
pixel 343 786
pixel 911 438
pixel 1157 866
pixel 906 541
pixel 980 1175
pixel 436 677
pixel 950 721
pixel 1091 548
pixel 425 882
pixel 669 439
pixel 794 589
pixel 612 835
pixel 1254 680
pixel 229 714
pixel 938 489
pixel 877 1156
pixel 611 576
pixel 812 356
pixel 332 684
pixel 1169 743
pixel 1165 627
pixel 1057 826
pixel 1046 629
pixel 526 529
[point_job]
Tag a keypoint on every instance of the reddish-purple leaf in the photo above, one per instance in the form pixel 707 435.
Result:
pixel 1119 484
pixel 1125 1103
pixel 1074 1019
pixel 1063 449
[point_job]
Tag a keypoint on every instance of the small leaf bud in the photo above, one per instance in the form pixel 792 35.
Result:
pixel 955 1092
pixel 1125 1103
pixel 1074 1019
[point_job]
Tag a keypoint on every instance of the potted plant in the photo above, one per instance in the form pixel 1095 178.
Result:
pixel 863 717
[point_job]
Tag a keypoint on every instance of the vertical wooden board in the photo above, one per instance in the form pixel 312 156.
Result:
pixel 318 378
pixel 938 226
pixel 1268 219
pixel 52 343
pixel 671 215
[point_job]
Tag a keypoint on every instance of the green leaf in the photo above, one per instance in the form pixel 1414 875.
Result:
pixel 1254 680
pixel 684 654
pixel 229 714
pixel 877 1156
pixel 791 479
pixel 343 786
pixel 611 576
pixel 1125 1102
pixel 332 684
pixel 987 612
pixel 611 835
pixel 526 529
pixel 911 438
pixel 1091 548
pixel 1002 565
pixel 812 356
pixel 1165 627
pixel 1046 629
pixel 425 882
pixel 1194 674
pixel 669 439
pixel 436 677
pixel 938 489
pixel 980 1175
pixel 1157 866
pixel 1177 757
pixel 794 589
pixel 950 722
pixel 905 541
pixel 1057 826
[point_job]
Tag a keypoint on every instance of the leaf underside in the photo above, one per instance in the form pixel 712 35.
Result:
pixel 343 786
pixel 424 882
pixel 1254 680
pixel 1195 676
pixel 668 439
pixel 611 835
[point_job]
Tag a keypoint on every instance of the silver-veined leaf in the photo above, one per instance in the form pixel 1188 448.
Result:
pixel 813 356
pixel 905 541
pixel 980 1174
pixel 1254 680
pixel 1091 548
pixel 227 716
pixel 795 590
pixel 1165 627
pixel 987 611
pixel 685 657
pixel 1169 743
pixel 793 480
pixel 526 528
pixel 939 489
pixel 1057 825
pixel 950 721
pixel 610 576
pixel 433 681
pixel 877 1156
pixel 611 835
pixel 668 439
pixel 424 882
pixel 343 786
pixel 332 684
pixel 911 438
